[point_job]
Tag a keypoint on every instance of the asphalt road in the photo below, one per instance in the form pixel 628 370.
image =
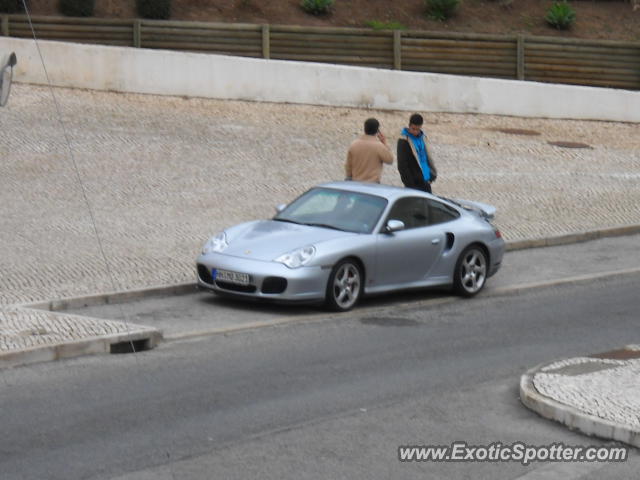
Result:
pixel 323 399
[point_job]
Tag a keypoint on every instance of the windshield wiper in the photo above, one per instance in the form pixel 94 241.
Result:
pixel 275 219
pixel 310 224
pixel 325 225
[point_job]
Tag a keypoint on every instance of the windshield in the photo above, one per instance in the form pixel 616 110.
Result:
pixel 337 209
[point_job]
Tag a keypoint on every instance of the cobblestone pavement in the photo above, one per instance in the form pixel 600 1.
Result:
pixel 609 391
pixel 22 329
pixel 598 395
pixel 164 173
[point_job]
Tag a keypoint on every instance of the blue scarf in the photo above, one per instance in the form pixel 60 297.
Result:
pixel 421 150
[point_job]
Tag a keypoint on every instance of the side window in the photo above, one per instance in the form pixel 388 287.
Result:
pixel 440 213
pixel 412 211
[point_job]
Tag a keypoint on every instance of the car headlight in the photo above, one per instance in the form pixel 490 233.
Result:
pixel 297 258
pixel 216 244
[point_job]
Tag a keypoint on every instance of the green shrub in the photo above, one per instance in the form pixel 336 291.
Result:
pixel 11 6
pixel 378 25
pixel 560 15
pixel 317 7
pixel 441 9
pixel 77 8
pixel 154 9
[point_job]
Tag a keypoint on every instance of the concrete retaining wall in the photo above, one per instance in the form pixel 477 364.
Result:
pixel 214 76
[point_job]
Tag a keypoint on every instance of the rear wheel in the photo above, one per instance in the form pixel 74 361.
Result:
pixel 471 271
pixel 345 286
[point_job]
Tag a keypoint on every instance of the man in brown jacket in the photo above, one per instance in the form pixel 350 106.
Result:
pixel 367 154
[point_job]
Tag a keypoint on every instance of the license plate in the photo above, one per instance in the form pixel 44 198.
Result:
pixel 231 277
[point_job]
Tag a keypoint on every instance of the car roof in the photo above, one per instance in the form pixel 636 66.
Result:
pixel 389 192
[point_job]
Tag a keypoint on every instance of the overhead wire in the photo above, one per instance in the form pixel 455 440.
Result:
pixel 84 193
pixel 76 170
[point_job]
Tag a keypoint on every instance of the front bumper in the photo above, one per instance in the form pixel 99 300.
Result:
pixel 267 280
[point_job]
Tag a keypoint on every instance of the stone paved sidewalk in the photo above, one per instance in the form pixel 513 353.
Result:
pixel 163 173
pixel 598 395
pixel 609 401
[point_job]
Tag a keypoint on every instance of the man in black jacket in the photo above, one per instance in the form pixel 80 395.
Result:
pixel 415 161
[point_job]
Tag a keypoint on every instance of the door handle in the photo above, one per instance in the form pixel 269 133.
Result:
pixel 435 241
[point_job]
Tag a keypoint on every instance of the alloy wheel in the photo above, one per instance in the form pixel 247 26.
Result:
pixel 345 286
pixel 471 271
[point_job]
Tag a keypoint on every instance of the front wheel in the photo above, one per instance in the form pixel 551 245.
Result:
pixel 471 271
pixel 344 287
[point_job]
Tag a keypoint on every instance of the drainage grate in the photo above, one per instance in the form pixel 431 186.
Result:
pixel 563 144
pixel 131 346
pixel 516 131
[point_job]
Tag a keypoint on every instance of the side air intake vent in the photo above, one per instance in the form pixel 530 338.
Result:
pixel 450 239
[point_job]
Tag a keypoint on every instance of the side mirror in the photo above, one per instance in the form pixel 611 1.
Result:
pixel 394 226
pixel 281 207
pixel 6 75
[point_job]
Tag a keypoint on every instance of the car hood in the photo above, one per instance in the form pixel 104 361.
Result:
pixel 268 239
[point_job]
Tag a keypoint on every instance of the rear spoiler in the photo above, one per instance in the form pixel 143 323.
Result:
pixel 483 209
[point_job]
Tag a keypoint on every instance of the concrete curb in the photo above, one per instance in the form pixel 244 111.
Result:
pixel 577 280
pixel 153 337
pixel 314 317
pixel 573 238
pixel 69 303
pixel 185 288
pixel 570 416
pixel 188 287
pixel 145 339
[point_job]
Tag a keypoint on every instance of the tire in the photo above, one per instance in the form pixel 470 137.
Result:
pixel 470 274
pixel 344 287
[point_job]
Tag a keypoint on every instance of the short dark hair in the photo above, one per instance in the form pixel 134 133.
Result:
pixel 416 119
pixel 371 126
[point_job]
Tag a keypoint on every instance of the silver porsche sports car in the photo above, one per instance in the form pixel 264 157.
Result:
pixel 342 240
